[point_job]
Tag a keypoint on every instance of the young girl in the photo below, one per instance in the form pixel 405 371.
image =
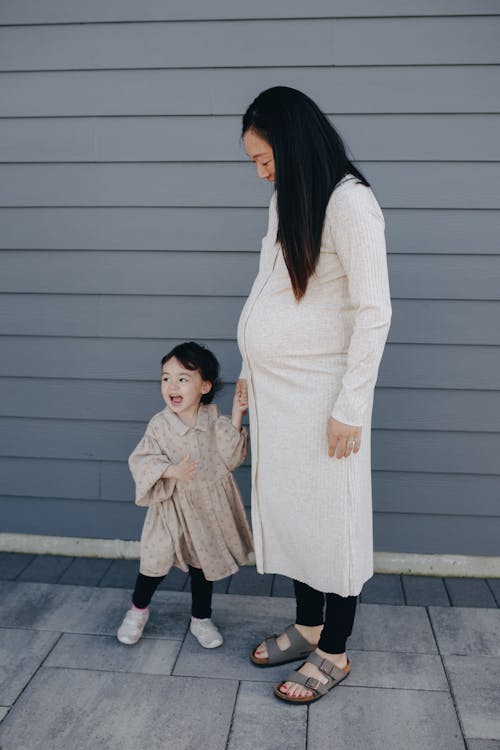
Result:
pixel 182 470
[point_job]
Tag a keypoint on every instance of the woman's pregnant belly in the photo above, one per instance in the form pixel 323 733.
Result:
pixel 311 334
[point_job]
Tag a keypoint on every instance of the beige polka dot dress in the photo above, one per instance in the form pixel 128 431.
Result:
pixel 202 522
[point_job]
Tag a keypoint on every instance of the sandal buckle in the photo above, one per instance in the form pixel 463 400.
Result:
pixel 327 667
pixel 311 682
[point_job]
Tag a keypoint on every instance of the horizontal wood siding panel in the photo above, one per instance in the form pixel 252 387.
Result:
pixel 93 11
pixel 431 231
pixel 464 535
pixel 431 494
pixel 303 42
pixel 130 139
pixel 228 91
pixel 149 317
pixel 424 277
pixel 173 45
pixel 196 273
pixel 394 408
pixel 50 478
pixel 416 41
pixel 414 321
pixel 403 365
pixel 79 518
pixel 432 185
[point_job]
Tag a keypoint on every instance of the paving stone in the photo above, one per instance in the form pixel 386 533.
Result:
pixel 149 656
pixel 4 710
pixel 424 591
pixel 13 563
pixel 82 609
pixel 469 592
pixel 244 621
pixel 395 670
pixel 378 627
pixel 85 571
pixel 494 584
pixel 383 589
pixel 121 574
pixel 279 725
pixel 483 745
pixel 21 653
pixel 82 709
pixel 282 586
pixel 384 720
pixel 45 568
pixel 466 632
pixel 248 581
pixel 475 682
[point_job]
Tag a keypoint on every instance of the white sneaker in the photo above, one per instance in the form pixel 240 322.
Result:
pixel 206 633
pixel 130 631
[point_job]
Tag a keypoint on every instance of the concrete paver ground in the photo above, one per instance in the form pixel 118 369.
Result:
pixel 422 677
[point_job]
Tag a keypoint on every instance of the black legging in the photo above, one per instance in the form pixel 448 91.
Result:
pixel 201 592
pixel 338 620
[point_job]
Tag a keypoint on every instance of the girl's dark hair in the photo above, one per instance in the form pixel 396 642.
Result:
pixel 310 159
pixel 193 356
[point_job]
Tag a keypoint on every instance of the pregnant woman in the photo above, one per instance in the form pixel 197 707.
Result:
pixel 311 335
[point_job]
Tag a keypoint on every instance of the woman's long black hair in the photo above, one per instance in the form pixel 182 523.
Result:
pixel 310 159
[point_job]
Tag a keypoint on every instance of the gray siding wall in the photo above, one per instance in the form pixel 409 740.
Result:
pixel 130 220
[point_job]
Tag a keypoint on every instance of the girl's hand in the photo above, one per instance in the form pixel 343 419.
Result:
pixel 240 403
pixel 241 396
pixel 185 470
pixel 343 439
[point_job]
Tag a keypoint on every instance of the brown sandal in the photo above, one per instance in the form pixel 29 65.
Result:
pixel 334 676
pixel 299 648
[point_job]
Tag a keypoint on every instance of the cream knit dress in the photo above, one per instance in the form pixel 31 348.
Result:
pixel 305 361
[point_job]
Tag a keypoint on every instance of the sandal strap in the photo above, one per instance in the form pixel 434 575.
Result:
pixel 273 651
pixel 327 667
pixel 299 647
pixel 297 640
pixel 311 683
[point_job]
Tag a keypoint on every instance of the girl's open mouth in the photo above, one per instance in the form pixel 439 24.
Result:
pixel 176 400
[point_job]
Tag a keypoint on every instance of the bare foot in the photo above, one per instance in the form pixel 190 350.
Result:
pixel 311 670
pixel 311 634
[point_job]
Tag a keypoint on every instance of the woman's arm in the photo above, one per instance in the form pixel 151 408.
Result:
pixel 357 228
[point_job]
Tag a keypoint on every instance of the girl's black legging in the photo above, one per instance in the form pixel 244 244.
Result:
pixel 338 619
pixel 201 592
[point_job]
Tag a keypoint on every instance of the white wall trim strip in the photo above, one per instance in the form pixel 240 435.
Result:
pixel 473 566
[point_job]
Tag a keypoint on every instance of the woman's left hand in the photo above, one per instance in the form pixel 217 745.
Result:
pixel 343 439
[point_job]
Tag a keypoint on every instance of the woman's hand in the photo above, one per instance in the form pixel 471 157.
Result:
pixel 240 403
pixel 343 439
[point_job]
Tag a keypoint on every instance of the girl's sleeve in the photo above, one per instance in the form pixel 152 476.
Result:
pixel 357 228
pixel 147 464
pixel 231 443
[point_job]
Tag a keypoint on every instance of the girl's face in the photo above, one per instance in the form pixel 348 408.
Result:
pixel 182 389
pixel 260 152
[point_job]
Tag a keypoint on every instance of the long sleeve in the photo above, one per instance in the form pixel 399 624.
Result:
pixel 231 443
pixel 147 464
pixel 357 229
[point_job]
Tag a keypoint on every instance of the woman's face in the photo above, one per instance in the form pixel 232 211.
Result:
pixel 260 152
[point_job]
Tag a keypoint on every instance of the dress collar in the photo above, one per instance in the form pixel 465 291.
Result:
pixel 180 427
